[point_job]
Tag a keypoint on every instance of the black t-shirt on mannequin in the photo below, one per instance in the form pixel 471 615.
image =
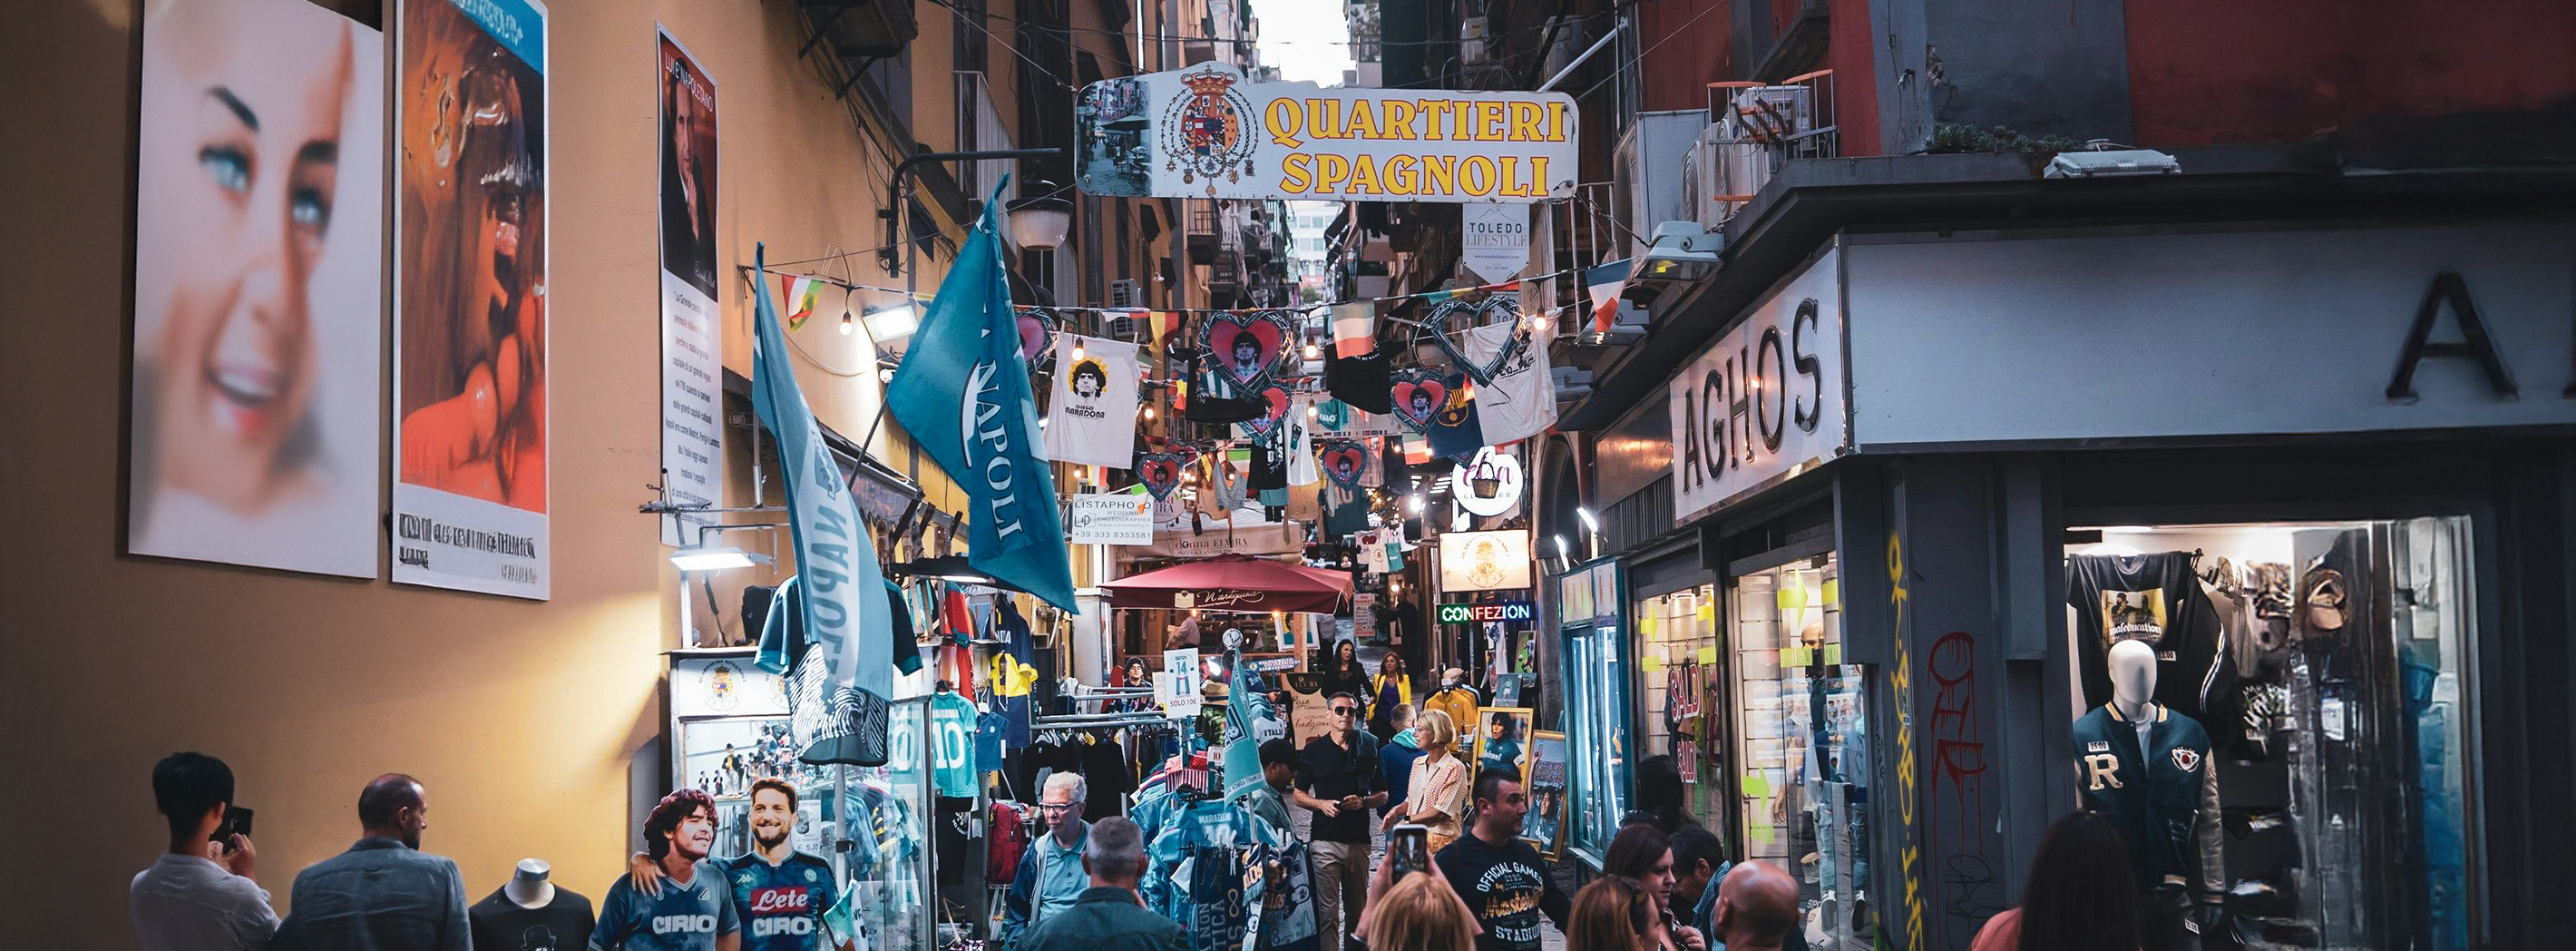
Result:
pixel 2156 599
pixel 499 924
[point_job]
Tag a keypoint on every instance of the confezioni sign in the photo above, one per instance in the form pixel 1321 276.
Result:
pixel 1767 401
pixel 1205 132
pixel 1506 611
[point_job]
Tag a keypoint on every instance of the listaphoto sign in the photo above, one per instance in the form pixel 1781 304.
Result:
pixel 1505 611
pixel 1204 132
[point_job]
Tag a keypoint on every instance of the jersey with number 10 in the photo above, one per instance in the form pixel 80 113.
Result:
pixel 952 744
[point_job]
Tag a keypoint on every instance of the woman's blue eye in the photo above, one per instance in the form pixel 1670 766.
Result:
pixel 230 168
pixel 310 209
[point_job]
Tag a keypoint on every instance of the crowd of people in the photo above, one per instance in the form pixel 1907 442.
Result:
pixel 1667 884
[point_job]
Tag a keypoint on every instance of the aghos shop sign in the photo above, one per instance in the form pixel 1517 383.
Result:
pixel 1766 402
pixel 1204 132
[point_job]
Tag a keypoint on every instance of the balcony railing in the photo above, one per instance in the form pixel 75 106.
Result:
pixel 1752 129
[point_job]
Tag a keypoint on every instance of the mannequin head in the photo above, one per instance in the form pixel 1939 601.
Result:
pixel 2133 676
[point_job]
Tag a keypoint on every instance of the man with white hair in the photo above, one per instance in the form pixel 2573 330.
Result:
pixel 1050 878
pixel 1109 917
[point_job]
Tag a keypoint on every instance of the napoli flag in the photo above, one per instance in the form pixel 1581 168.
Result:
pixel 963 393
pixel 845 607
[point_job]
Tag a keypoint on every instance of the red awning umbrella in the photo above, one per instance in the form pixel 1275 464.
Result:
pixel 1233 583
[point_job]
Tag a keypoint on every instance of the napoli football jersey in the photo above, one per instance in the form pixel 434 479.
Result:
pixel 952 744
pixel 781 906
pixel 682 918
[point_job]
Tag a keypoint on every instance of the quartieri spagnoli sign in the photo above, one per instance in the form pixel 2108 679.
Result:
pixel 1204 132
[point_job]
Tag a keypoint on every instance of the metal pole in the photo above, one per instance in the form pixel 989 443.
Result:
pixel 1578 61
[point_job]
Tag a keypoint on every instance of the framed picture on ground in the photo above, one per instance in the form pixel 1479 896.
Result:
pixel 1502 740
pixel 1545 825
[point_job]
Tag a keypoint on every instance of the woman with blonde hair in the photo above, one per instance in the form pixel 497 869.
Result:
pixel 1611 914
pixel 1420 913
pixel 1436 796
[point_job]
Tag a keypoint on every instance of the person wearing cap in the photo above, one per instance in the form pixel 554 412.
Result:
pixel 1270 799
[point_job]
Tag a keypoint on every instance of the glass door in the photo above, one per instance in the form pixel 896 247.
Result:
pixel 1801 721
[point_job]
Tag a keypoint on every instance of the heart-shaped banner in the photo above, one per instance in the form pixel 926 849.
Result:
pixel 1419 393
pixel 1161 471
pixel 1038 327
pixel 1345 461
pixel 1476 312
pixel 1275 399
pixel 1246 345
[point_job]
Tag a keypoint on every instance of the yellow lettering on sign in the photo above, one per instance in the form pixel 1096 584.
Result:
pixel 1440 175
pixel 1363 120
pixel 1489 121
pixel 1364 176
pixel 1399 119
pixel 1476 175
pixel 1283 117
pixel 1510 177
pixel 1323 119
pixel 1403 175
pixel 1556 122
pixel 1538 176
pixel 1294 175
pixel 1527 118
pixel 1431 111
pixel 1331 171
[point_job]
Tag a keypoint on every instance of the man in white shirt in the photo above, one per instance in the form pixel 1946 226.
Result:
pixel 200 896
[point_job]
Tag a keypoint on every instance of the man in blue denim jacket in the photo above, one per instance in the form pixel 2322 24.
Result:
pixel 384 894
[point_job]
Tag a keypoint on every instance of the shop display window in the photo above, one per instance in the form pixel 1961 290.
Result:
pixel 1683 708
pixel 2327 665
pixel 1596 713
pixel 1803 776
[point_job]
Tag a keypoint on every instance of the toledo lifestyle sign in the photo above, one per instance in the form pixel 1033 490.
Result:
pixel 1766 402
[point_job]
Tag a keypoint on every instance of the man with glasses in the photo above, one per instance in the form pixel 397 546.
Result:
pixel 1338 779
pixel 1051 877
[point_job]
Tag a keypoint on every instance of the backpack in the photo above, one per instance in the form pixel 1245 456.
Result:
pixel 1006 840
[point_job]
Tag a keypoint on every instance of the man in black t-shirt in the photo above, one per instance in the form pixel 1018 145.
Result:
pixel 1504 881
pixel 1337 778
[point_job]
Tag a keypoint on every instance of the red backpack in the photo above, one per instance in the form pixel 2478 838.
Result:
pixel 1005 841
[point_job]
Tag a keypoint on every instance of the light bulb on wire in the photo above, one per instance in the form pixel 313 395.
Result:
pixel 848 323
pixel 1077 350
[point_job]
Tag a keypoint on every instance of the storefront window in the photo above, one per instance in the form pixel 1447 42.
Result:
pixel 1804 774
pixel 1684 713
pixel 2325 663
pixel 1596 707
pixel 889 864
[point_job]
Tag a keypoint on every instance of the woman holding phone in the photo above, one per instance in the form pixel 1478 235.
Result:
pixel 1436 796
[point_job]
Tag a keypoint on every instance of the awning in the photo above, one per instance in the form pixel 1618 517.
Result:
pixel 1233 583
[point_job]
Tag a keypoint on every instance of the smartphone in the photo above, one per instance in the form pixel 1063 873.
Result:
pixel 1409 849
pixel 236 822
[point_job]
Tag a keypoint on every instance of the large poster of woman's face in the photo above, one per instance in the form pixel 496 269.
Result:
pixel 470 333
pixel 688 145
pixel 257 304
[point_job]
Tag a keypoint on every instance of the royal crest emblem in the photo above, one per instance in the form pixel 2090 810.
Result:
pixel 1204 133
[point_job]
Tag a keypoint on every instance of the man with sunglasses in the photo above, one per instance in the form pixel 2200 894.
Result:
pixel 1051 878
pixel 1338 779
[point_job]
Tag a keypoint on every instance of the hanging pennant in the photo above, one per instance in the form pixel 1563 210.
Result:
pixel 1246 345
pixel 1477 314
pixel 1301 442
pixel 1456 432
pixel 1345 461
pixel 1274 400
pixel 1161 471
pixel 1091 414
pixel 1419 394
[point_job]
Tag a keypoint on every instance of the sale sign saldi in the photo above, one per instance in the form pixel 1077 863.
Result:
pixel 1204 132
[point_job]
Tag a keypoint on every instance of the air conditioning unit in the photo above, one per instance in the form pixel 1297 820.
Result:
pixel 1646 179
pixel 1125 293
pixel 1770 114
pixel 1121 327
pixel 1721 175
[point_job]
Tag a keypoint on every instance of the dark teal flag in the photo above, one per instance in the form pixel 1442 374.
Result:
pixel 963 394
pixel 845 606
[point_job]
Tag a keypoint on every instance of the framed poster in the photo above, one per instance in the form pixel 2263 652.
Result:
pixel 258 293
pixel 1502 740
pixel 1544 829
pixel 470 274
pixel 692 361
pixel 1484 561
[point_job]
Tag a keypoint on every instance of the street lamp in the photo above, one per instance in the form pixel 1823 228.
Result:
pixel 898 231
pixel 1041 222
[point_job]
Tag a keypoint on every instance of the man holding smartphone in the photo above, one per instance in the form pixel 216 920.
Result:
pixel 1338 780
pixel 200 895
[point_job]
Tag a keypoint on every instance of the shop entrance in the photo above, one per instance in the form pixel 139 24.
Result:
pixel 2326 669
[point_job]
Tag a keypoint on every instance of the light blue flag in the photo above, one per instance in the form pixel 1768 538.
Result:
pixel 963 394
pixel 846 610
pixel 1244 711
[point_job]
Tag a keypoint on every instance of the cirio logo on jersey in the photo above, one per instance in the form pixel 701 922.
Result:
pixel 684 924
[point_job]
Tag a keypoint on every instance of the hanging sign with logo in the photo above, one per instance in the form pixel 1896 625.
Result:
pixel 1494 241
pixel 1488 485
pixel 1123 518
pixel 725 687
pixel 1485 561
pixel 1204 132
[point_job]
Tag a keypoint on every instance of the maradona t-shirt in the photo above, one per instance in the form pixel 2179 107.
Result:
pixel 781 906
pixel 683 918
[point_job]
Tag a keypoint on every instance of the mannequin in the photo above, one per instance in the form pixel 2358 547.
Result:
pixel 530 888
pixel 528 912
pixel 2146 768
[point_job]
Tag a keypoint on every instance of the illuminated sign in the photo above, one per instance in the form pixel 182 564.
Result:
pixel 1483 613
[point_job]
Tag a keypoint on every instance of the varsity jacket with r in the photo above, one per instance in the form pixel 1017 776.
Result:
pixel 2163 799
